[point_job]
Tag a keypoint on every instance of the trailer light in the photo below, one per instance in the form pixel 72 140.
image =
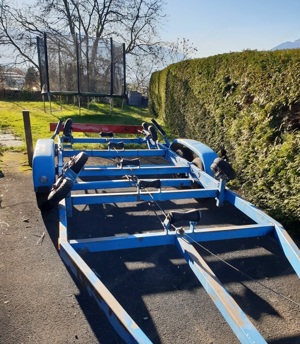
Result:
pixel 43 179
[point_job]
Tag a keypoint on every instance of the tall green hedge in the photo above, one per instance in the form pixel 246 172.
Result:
pixel 249 104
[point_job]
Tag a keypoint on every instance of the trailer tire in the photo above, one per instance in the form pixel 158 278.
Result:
pixel 185 153
pixel 77 162
pixel 59 191
pixel 198 162
pixel 220 165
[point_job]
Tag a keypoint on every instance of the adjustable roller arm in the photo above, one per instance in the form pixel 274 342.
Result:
pixel 162 132
pixel 57 129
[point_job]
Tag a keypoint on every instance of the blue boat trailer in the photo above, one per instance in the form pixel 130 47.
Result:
pixel 142 169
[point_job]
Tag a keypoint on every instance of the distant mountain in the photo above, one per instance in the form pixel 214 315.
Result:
pixel 288 45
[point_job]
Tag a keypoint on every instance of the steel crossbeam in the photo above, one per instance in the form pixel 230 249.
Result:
pixel 109 154
pixel 162 238
pixel 142 196
pixel 132 171
pixel 117 184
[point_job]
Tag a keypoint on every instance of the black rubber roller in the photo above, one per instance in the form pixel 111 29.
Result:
pixel 153 183
pixel 129 162
pixel 222 167
pixel 191 215
pixel 106 134
pixel 116 145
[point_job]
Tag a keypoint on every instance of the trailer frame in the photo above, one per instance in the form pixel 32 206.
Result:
pixel 132 176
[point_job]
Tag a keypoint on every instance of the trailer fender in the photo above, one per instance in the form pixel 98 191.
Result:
pixel 193 149
pixel 43 165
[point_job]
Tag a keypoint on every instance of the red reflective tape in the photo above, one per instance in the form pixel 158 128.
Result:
pixel 97 128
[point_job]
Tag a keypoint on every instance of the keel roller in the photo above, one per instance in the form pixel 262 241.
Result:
pixel 193 215
pixel 129 162
pixel 154 183
pixel 116 145
pixel 106 134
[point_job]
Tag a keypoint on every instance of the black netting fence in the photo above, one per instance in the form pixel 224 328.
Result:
pixel 81 65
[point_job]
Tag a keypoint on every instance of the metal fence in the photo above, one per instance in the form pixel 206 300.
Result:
pixel 81 65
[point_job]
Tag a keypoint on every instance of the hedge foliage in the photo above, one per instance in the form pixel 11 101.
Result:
pixel 249 104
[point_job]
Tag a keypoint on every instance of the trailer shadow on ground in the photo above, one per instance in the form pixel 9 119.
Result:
pixel 157 288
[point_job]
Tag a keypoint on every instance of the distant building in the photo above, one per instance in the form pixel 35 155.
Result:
pixel 135 98
pixel 13 79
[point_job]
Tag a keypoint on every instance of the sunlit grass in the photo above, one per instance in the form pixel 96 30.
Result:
pixel 41 116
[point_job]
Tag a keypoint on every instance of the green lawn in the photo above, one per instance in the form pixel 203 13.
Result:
pixel 40 116
pixel 11 118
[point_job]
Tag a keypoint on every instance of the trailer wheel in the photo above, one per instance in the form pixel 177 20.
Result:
pixel 198 162
pixel 59 191
pixel 220 166
pixel 185 153
pixel 180 175
pixel 78 161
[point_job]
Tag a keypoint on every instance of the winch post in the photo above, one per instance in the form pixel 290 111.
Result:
pixel 221 192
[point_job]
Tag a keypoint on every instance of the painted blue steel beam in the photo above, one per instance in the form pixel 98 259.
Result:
pixel 162 238
pixel 124 242
pixel 230 232
pixel 115 184
pixel 247 208
pixel 138 153
pixel 290 249
pixel 137 140
pixel 205 178
pixel 118 317
pixel 235 317
pixel 142 196
pixel 142 171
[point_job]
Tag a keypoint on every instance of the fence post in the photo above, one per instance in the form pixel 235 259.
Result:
pixel 28 136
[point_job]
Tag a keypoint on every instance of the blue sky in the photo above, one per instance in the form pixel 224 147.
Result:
pixel 220 26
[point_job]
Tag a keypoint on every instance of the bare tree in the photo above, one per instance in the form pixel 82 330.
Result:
pixel 133 22
pixel 17 33
pixel 180 50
